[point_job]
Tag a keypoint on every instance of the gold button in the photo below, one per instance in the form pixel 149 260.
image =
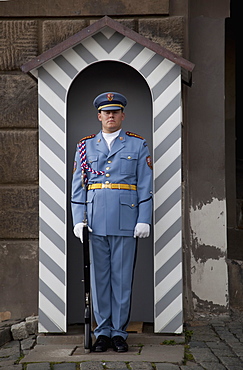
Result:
pixel 107 182
pixel 133 205
pixel 107 175
pixel 129 157
pixel 99 140
pixel 107 168
pixel 109 161
pixel 121 138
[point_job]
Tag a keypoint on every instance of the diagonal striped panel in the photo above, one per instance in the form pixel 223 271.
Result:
pixel 163 78
pixel 167 204
pixel 52 199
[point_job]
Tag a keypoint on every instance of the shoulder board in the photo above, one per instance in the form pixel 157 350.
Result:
pixel 87 137
pixel 134 135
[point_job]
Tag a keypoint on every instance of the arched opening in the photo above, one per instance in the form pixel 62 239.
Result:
pixel 82 121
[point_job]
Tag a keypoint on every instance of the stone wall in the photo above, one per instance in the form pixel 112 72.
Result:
pixel 26 31
pixel 19 170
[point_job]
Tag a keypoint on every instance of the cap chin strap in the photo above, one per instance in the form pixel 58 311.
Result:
pixel 111 105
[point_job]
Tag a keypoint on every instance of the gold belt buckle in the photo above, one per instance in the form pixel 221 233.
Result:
pixel 106 186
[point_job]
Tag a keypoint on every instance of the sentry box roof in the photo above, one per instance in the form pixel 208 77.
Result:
pixel 107 22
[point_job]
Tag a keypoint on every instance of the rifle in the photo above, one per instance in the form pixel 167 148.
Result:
pixel 87 309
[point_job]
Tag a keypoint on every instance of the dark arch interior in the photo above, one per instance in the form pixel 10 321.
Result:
pixel 81 121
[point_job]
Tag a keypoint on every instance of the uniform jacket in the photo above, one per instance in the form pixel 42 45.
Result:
pixel 114 211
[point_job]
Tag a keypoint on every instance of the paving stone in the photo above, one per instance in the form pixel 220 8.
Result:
pixel 204 334
pixel 238 351
pixel 234 324
pixel 229 362
pixel 219 327
pixel 212 366
pixel 217 345
pixel 203 355
pixel 162 353
pixel 12 359
pixel 217 323
pixel 221 330
pixel 206 338
pixel 163 366
pixel 140 366
pixel 91 365
pixel 227 336
pixel 10 353
pixel 115 365
pixel 27 343
pixel 191 366
pixel 198 344
pixel 214 354
pixel 234 367
pixel 10 349
pixel 223 352
pixel 9 365
pixel 39 366
pixel 236 331
pixel 64 366
pixel 230 339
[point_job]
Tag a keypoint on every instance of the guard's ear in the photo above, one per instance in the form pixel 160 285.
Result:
pixel 99 116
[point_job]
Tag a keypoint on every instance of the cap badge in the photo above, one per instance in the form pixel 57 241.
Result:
pixel 110 96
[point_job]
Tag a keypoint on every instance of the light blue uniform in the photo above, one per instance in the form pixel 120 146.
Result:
pixel 112 215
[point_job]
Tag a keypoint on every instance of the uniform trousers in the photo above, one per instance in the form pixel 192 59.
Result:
pixel 112 267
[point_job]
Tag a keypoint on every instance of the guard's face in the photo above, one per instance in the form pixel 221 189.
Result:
pixel 111 120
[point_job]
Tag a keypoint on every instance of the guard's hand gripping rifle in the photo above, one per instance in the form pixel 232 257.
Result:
pixel 87 310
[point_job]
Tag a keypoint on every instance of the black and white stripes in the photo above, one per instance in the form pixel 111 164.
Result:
pixel 164 79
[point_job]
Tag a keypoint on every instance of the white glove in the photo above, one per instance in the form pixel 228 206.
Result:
pixel 78 230
pixel 142 230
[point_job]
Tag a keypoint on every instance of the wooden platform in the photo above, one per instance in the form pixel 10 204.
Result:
pixel 135 327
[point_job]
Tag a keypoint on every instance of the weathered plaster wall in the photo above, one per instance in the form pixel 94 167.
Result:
pixel 205 153
pixel 208 255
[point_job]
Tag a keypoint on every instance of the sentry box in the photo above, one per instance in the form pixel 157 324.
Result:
pixel 103 57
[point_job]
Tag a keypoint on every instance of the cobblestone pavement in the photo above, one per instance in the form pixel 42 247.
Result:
pixel 212 344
